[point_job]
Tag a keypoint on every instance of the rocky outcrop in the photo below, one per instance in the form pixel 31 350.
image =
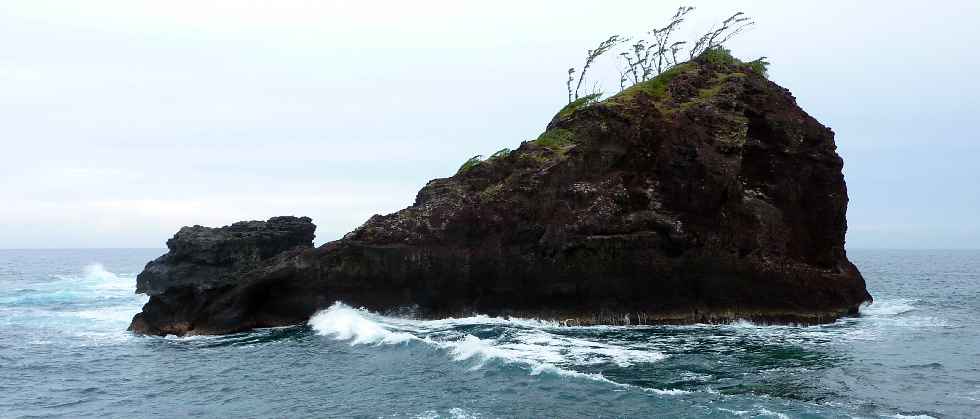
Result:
pixel 203 263
pixel 703 195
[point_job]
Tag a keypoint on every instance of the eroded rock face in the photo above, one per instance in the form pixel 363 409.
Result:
pixel 705 195
pixel 204 262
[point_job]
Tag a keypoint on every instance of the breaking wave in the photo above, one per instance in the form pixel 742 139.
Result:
pixel 63 320
pixel 94 305
pixel 536 346
pixel 543 347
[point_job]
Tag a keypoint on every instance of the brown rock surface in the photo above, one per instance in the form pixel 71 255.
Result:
pixel 703 195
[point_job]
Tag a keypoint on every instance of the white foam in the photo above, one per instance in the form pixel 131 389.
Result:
pixel 767 412
pixel 888 308
pixel 93 306
pixel 532 344
pixel 557 348
pixel 668 392
pixel 455 413
pixel 896 313
pixel 479 319
pixel 105 280
pixel 110 314
pixel 458 413
pixel 345 323
pixel 94 277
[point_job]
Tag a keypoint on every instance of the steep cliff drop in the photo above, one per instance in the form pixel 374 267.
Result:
pixel 703 195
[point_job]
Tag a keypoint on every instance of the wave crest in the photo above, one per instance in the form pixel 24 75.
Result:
pixel 345 323
pixel 537 346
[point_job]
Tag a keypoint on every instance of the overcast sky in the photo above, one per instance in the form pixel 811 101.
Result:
pixel 121 121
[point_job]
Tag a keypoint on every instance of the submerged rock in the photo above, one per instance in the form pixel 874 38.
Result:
pixel 703 195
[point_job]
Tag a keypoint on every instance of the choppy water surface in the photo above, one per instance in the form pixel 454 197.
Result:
pixel 64 353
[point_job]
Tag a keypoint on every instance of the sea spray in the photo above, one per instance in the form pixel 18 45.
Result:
pixel 345 323
pixel 92 304
pixel 532 345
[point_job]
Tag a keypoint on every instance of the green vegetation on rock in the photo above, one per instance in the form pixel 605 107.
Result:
pixel 649 75
pixel 722 55
pixel 647 59
pixel 582 102
pixel 557 139
pixel 657 86
pixel 759 65
pixel 469 164
pixel 504 152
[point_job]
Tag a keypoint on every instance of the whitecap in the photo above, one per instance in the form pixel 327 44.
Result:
pixel 887 308
pixel 767 412
pixel 105 280
pixel 459 413
pixel 531 344
pixel 345 323
pixel 899 313
pixel 668 391
pixel 454 413
pixel 93 306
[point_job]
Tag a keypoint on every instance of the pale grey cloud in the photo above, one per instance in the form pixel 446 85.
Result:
pixel 124 120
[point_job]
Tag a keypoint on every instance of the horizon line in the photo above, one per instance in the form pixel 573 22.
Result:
pixel 164 247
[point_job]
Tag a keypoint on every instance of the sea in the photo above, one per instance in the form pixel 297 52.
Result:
pixel 65 352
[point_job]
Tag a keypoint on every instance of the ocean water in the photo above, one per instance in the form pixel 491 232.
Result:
pixel 64 352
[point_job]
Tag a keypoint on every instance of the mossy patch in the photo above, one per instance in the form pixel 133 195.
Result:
pixel 721 55
pixel 705 94
pixel 657 86
pixel 556 139
pixel 717 84
pixel 582 102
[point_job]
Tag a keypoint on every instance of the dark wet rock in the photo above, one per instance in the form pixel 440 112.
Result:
pixel 704 195
pixel 205 262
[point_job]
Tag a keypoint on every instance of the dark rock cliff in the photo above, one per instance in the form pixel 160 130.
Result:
pixel 703 195
pixel 206 262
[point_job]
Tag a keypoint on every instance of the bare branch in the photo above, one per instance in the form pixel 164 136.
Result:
pixel 623 78
pixel 650 57
pixel 571 78
pixel 596 90
pixel 662 37
pixel 642 60
pixel 591 56
pixel 730 27
pixel 674 48
pixel 631 66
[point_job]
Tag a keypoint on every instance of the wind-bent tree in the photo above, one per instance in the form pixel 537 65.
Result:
pixel 662 36
pixel 716 37
pixel 646 59
pixel 590 58
pixel 664 52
